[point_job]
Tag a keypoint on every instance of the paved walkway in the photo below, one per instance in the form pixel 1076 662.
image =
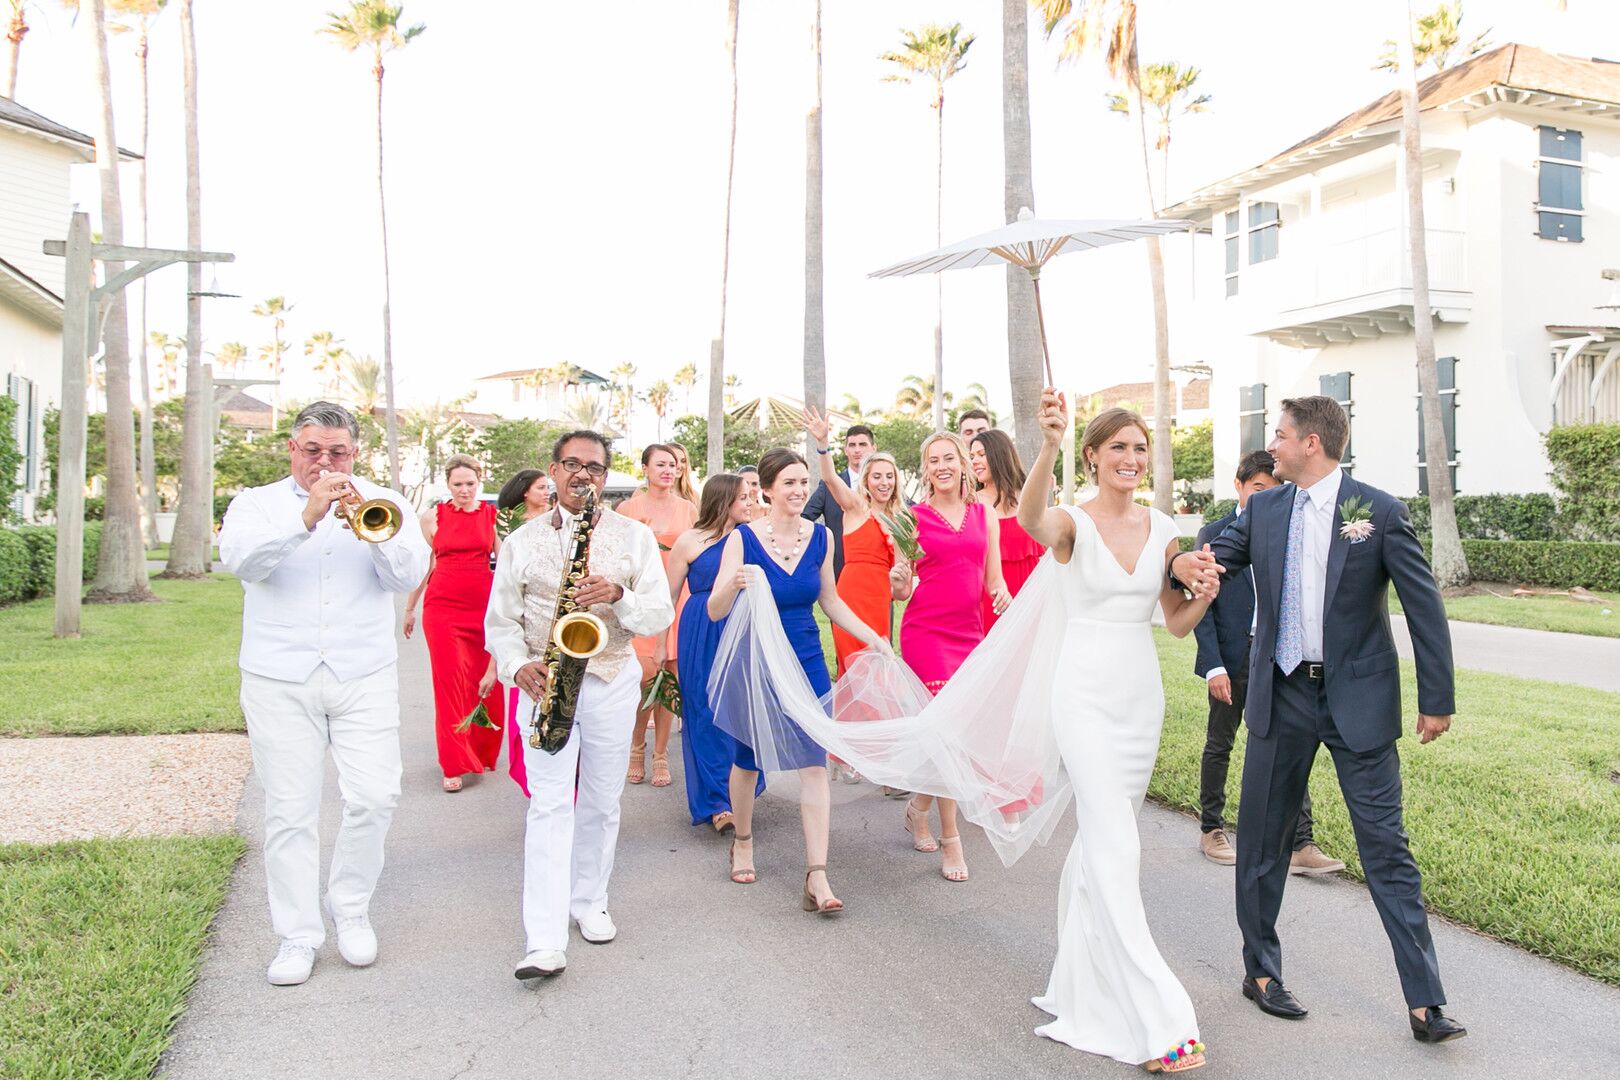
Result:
pixel 1581 659
pixel 918 978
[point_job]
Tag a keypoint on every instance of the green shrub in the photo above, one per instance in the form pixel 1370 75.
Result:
pixel 1561 564
pixel 1586 471
pixel 11 457
pixel 16 571
pixel 1218 509
pixel 1495 517
pixel 92 551
pixel 28 560
pixel 41 541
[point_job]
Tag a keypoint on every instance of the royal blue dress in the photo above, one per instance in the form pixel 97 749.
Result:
pixel 795 596
pixel 707 750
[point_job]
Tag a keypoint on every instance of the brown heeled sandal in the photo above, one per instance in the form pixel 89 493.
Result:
pixel 927 845
pixel 953 873
pixel 740 875
pixel 660 769
pixel 830 906
pixel 638 764
pixel 724 820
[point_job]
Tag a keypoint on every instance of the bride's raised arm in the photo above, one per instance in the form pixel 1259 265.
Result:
pixel 820 428
pixel 1047 525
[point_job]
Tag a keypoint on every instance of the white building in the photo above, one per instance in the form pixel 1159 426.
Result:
pixel 561 393
pixel 1304 286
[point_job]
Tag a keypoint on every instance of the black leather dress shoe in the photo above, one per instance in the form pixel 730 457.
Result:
pixel 1275 1000
pixel 1435 1027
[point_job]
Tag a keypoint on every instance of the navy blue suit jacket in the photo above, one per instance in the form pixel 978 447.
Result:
pixel 1362 671
pixel 822 505
pixel 1223 632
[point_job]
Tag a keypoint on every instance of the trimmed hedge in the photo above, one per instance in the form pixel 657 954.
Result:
pixel 1495 517
pixel 28 560
pixel 1586 471
pixel 1218 509
pixel 1561 564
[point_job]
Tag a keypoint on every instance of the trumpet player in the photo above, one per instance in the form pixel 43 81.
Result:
pixel 318 672
pixel 568 844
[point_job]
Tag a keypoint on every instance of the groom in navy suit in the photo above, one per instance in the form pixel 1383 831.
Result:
pixel 1323 670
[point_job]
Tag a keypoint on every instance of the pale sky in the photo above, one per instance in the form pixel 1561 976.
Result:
pixel 556 181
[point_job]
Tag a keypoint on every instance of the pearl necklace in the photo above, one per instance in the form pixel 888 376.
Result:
pixel 770 536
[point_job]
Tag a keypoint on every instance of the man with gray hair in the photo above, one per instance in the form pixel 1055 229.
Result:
pixel 318 671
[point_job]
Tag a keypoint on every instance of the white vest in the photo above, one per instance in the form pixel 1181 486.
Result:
pixel 541 578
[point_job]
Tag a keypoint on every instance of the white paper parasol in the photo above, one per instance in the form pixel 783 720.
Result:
pixel 1032 243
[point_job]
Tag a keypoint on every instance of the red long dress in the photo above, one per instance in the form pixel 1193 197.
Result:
pixel 453 621
pixel 1019 554
pixel 864 585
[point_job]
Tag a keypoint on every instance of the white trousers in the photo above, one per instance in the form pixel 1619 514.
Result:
pixel 290 725
pixel 568 844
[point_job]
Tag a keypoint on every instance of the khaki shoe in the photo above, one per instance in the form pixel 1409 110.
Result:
pixel 1309 861
pixel 1217 848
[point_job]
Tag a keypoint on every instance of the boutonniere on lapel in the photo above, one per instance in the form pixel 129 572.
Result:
pixel 1356 514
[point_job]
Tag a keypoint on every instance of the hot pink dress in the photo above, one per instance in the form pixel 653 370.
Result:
pixel 945 618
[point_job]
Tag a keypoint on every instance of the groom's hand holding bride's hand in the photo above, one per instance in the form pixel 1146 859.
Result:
pixel 1430 728
pixel 1203 578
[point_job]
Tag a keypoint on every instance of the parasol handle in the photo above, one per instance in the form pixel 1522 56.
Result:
pixel 1040 320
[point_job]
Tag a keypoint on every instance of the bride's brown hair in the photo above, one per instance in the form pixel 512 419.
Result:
pixel 1104 426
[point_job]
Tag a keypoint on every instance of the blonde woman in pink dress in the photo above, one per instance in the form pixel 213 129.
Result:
pixel 961 562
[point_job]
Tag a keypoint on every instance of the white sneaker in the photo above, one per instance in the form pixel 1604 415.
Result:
pixel 356 940
pixel 541 962
pixel 597 928
pixel 292 964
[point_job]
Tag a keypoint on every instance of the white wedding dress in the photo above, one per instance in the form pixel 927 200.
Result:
pixel 1062 700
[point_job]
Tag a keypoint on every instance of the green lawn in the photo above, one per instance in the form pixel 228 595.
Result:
pixel 138 669
pixel 1513 815
pixel 100 941
pixel 161 552
pixel 1543 612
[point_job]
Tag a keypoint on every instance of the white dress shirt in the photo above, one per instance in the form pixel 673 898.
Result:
pixel 1323 497
pixel 316 596
pixel 645 608
pixel 1254 611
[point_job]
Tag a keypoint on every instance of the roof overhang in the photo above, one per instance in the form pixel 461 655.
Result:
pixel 26 293
pixel 84 144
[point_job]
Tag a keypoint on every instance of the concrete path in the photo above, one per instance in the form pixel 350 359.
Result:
pixel 919 977
pixel 1581 659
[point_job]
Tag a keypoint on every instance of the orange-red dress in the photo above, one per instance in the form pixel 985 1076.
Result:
pixel 1019 554
pixel 639 508
pixel 864 585
pixel 453 623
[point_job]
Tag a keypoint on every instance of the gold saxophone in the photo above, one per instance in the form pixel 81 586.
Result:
pixel 576 636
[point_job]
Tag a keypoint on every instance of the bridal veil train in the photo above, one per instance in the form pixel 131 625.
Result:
pixel 1062 702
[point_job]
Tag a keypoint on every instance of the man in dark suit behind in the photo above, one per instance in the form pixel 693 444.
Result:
pixel 1323 671
pixel 1224 634
pixel 859 442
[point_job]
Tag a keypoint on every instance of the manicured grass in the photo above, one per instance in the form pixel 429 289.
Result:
pixel 1542 612
pixel 161 552
pixel 138 668
pixel 1513 815
pixel 101 940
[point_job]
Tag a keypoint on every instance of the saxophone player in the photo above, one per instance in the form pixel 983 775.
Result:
pixel 569 842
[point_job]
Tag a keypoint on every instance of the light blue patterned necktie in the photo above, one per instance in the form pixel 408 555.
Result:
pixel 1290 621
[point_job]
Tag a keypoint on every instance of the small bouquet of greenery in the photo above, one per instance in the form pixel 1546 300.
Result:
pixel 508 521
pixel 902 529
pixel 479 717
pixel 664 692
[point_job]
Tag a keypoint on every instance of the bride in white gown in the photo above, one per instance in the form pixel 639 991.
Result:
pixel 1062 700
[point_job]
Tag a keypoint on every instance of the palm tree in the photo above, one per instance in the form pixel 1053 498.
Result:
pixel 977 397
pixel 658 398
pixel 686 377
pixel 121 566
pixel 231 355
pixel 732 383
pixel 935 53
pixel 1167 88
pixel 851 405
pixel 588 411
pixel 1439 33
pixel 1024 357
pixel 624 393
pixel 815 322
pixel 716 456
pixel 363 382
pixel 917 397
pixel 1449 562
pixel 325 349
pixel 374 25
pixel 190 552
pixel 275 309
pixel 15 31
pixel 1108 27
pixel 169 360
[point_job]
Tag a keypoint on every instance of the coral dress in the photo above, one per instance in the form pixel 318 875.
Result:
pixel 1019 554
pixel 945 618
pixel 864 585
pixel 638 508
pixel 453 622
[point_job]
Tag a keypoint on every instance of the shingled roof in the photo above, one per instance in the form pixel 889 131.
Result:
pixel 1518 74
pixel 15 115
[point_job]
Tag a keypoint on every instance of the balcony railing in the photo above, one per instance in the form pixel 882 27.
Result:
pixel 1369 265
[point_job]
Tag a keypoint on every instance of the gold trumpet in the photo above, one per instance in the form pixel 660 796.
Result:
pixel 373 520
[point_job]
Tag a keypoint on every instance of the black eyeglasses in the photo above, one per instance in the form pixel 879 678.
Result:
pixel 595 469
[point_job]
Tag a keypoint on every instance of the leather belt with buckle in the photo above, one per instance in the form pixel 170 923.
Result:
pixel 1312 671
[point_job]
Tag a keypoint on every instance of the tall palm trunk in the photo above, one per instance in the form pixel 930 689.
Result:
pixel 1164 469
pixel 121 567
pixel 15 30
pixel 815 353
pixel 1023 336
pixel 716 457
pixel 939 240
pixel 389 409
pixel 1450 564
pixel 149 500
pixel 193 533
